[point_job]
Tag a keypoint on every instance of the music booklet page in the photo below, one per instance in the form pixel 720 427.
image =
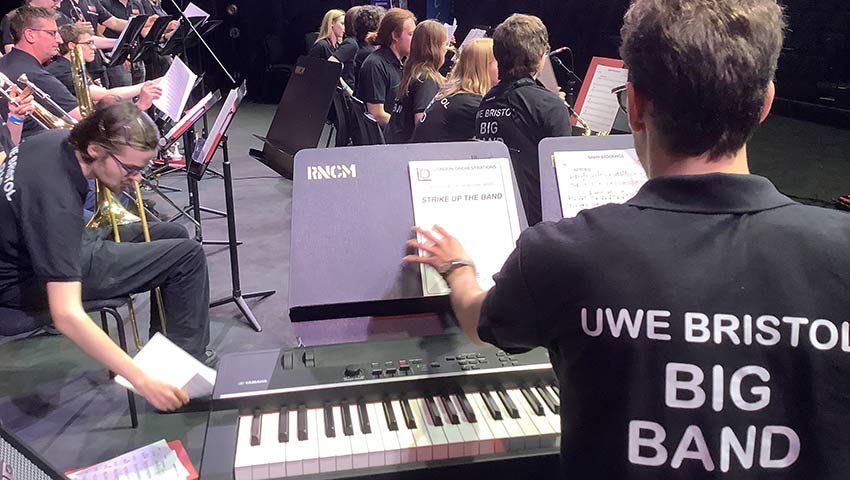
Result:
pixel 474 201
pixel 593 178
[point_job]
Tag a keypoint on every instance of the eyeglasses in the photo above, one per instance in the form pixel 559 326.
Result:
pixel 131 169
pixel 51 32
pixel 90 43
pixel 622 97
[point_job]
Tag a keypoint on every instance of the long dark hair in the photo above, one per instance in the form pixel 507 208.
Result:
pixel 427 55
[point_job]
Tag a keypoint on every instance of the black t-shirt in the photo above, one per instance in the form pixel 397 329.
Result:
pixel 91 11
pixel 345 53
pixel 520 114
pixel 6 143
pixel 450 119
pixel 119 10
pixel 379 77
pixel 363 51
pixel 150 9
pixel 60 68
pixel 16 62
pixel 6 25
pixel 700 326
pixel 321 49
pixel 41 219
pixel 420 92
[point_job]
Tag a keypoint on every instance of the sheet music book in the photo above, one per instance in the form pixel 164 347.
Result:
pixel 176 86
pixel 193 11
pixel 595 103
pixel 157 461
pixel 472 35
pixel 474 201
pixel 166 361
pixel 588 179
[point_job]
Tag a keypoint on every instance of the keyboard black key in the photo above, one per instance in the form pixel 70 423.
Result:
pixel 450 409
pixel 434 411
pixel 389 414
pixel 330 428
pixel 302 423
pixel 513 412
pixel 363 413
pixel 532 401
pixel 256 422
pixel 465 407
pixel 491 405
pixel 283 425
pixel 556 389
pixel 549 400
pixel 347 427
pixel 407 412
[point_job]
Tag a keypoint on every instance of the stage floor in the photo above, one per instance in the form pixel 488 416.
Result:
pixel 63 404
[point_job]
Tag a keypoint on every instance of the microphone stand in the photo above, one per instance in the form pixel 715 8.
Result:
pixel 572 81
pixel 204 42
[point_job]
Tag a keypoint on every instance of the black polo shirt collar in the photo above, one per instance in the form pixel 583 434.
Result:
pixel 390 57
pixel 710 193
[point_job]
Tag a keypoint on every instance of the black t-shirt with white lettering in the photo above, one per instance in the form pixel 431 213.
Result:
pixel 698 331
pixel 345 53
pixel 450 119
pixel 420 92
pixel 41 219
pixel 521 113
pixel 379 77
pixel 16 62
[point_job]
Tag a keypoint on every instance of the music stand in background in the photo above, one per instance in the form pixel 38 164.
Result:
pixel 149 42
pixel 125 43
pixel 301 114
pixel 199 163
pixel 175 44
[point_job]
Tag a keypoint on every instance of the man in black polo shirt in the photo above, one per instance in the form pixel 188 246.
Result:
pixel 37 41
pixel 93 13
pixel 700 330
pixel 129 73
pixel 519 111
pixel 6 23
pixel 49 262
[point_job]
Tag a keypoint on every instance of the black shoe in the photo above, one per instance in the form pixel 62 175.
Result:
pixel 209 358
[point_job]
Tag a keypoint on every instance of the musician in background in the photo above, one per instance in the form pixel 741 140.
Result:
pixel 94 14
pixel 6 23
pixel 129 73
pixel 381 72
pixel 157 64
pixel 330 35
pixel 366 28
pixel 347 50
pixel 694 329
pixel 450 117
pixel 19 108
pixel 420 81
pixel 519 111
pixel 51 262
pixel 81 34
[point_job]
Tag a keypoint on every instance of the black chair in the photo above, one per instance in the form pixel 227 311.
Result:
pixel 105 308
pixel 370 131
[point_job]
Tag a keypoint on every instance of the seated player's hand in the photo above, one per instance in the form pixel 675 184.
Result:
pixel 441 248
pixel 161 395
pixel 24 102
pixel 148 94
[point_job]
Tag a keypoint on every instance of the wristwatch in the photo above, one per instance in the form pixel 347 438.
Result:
pixel 447 268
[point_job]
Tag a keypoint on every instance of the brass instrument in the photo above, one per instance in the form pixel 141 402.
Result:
pixel 108 211
pixel 586 131
pixel 40 114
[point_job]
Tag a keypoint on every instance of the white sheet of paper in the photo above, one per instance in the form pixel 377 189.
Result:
pixel 193 10
pixel 600 105
pixel 166 361
pixel 592 178
pixel 228 109
pixel 474 201
pixel 176 85
pixel 472 35
pixel 451 29
pixel 156 461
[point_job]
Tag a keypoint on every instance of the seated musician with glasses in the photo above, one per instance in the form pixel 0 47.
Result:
pixel 519 111
pixel 50 263
pixel 6 37
pixel 699 330
pixel 81 34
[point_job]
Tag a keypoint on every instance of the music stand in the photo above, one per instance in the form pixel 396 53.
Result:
pixel 124 45
pixel 148 43
pixel 218 135
pixel 180 35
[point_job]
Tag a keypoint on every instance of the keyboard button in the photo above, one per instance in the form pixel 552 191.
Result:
pixel 510 407
pixel 535 405
pixel 302 423
pixel 492 406
pixel 347 426
pixel 283 425
pixel 256 421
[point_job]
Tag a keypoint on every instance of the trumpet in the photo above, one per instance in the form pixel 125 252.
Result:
pixel 40 115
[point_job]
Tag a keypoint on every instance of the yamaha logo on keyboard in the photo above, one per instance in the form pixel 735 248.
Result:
pixel 329 172
pixel 252 382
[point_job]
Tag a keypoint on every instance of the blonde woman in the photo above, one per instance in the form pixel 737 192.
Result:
pixel 330 35
pixel 420 81
pixel 451 115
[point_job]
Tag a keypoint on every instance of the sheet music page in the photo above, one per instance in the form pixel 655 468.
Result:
pixel 474 201
pixel 176 86
pixel 593 178
pixel 156 461
pixel 600 106
pixel 189 114
pixel 193 10
pixel 166 361
pixel 472 35
pixel 451 29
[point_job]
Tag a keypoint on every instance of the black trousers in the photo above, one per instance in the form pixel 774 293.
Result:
pixel 171 261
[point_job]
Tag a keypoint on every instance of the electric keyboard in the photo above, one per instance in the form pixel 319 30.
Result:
pixel 386 409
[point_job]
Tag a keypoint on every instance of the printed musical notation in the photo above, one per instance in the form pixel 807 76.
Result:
pixel 593 178
pixel 600 106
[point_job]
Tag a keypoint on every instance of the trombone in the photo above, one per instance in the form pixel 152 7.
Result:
pixel 40 115
pixel 108 212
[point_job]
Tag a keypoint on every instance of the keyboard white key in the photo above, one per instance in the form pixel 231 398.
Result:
pixel 327 445
pixel 532 434
pixel 311 459
pixel 554 420
pixel 359 444
pixel 452 432
pixel 436 435
pixel 245 454
pixel 548 435
pixel 486 439
pixel 499 434
pixel 272 453
pixel 406 443
pixel 296 450
pixel 469 434
pixel 374 440
pixel 392 451
pixel 344 459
